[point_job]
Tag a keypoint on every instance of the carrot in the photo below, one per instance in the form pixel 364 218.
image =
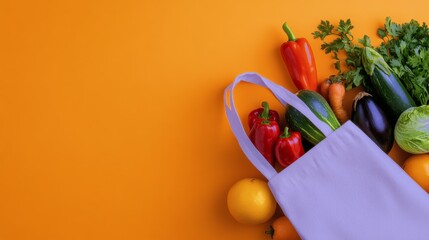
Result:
pixel 324 88
pixel 337 92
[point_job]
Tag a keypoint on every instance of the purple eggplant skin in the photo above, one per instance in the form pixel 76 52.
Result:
pixel 373 121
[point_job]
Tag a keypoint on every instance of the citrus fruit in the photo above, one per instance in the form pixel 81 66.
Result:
pixel 250 201
pixel 417 167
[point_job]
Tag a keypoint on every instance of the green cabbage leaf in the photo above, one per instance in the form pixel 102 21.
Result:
pixel 412 130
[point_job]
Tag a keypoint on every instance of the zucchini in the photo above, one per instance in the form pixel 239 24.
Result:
pixel 387 88
pixel 320 107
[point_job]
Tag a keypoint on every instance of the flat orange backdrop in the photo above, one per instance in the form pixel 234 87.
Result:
pixel 111 116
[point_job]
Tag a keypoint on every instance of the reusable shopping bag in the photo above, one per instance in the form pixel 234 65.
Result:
pixel 343 188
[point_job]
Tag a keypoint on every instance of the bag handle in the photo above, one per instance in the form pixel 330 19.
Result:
pixel 285 97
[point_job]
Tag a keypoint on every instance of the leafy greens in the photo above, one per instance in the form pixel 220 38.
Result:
pixel 412 130
pixel 405 48
pixel 338 41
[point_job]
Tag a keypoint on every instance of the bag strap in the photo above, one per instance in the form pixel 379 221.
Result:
pixel 285 97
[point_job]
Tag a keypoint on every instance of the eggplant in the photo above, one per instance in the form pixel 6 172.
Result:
pixel 387 88
pixel 373 121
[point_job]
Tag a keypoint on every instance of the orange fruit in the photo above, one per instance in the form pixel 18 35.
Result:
pixel 417 167
pixel 250 201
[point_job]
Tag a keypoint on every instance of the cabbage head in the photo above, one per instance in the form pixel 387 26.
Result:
pixel 412 130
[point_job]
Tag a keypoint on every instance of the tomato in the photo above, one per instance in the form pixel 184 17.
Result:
pixel 250 201
pixel 417 166
pixel 282 229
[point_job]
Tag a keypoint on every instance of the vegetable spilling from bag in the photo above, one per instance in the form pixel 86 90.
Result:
pixel 412 130
pixel 396 74
pixel 392 107
pixel 264 131
pixel 288 148
pixel 299 60
pixel 368 115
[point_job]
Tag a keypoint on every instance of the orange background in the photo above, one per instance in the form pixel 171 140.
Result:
pixel 111 116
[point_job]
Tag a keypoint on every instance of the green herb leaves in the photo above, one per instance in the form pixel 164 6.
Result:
pixel 338 41
pixel 405 48
pixel 325 29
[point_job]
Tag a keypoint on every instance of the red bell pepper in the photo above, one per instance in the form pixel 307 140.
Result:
pixel 264 135
pixel 299 60
pixel 288 148
pixel 263 112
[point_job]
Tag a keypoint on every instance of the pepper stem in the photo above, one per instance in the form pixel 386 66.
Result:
pixel 289 32
pixel 286 133
pixel 265 122
pixel 266 112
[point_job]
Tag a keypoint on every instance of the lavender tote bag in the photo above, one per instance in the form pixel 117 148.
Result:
pixel 344 188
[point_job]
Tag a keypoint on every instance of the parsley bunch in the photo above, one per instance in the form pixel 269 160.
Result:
pixel 406 50
pixel 338 41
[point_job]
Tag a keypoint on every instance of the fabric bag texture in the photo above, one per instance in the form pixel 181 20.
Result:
pixel 344 188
